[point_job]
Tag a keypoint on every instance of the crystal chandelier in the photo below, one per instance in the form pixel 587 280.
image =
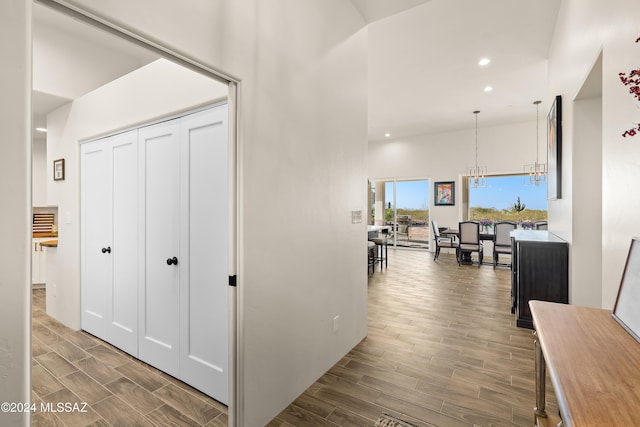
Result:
pixel 537 171
pixel 477 173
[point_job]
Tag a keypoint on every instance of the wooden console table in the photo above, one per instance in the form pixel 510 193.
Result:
pixel 593 362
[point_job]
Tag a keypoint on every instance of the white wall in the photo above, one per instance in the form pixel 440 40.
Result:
pixel 39 167
pixel 15 194
pixel 302 68
pixel 151 92
pixel 446 157
pixel 586 247
pixel 585 28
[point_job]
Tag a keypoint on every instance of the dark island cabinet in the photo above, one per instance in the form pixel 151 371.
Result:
pixel 539 271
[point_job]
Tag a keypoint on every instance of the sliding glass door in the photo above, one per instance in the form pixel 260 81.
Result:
pixel 403 205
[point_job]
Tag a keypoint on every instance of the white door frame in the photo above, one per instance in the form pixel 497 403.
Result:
pixel 235 355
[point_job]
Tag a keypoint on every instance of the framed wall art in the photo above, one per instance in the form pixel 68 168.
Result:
pixel 444 193
pixel 554 150
pixel 58 170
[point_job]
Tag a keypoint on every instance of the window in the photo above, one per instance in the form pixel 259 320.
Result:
pixel 507 198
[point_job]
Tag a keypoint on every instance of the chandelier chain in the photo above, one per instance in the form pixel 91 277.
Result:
pixel 537 129
pixel 536 172
pixel 476 114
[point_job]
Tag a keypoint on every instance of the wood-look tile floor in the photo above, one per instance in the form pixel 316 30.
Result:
pixel 73 367
pixel 442 350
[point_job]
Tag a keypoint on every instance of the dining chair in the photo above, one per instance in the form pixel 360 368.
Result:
pixel 442 241
pixel 502 242
pixel 469 234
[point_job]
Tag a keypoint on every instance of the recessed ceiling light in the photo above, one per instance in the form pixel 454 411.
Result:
pixel 41 129
pixel 387 135
pixel 488 89
pixel 484 61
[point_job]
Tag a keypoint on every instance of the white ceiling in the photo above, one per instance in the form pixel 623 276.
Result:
pixel 71 58
pixel 424 75
pixel 423 54
pixel 374 10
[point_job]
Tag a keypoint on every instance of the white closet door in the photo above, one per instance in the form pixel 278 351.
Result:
pixel 204 268
pixel 123 292
pixel 159 292
pixel 95 219
pixel 109 239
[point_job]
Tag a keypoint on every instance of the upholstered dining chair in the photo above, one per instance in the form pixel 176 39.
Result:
pixel 541 225
pixel 442 241
pixel 469 239
pixel 502 242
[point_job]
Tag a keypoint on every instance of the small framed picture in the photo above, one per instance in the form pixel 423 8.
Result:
pixel 444 193
pixel 58 170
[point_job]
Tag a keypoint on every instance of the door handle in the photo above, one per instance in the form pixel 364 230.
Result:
pixel 106 250
pixel 173 261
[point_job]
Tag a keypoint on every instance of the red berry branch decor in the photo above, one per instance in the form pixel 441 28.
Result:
pixel 633 82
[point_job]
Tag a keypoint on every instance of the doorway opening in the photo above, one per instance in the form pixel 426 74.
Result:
pixel 75 54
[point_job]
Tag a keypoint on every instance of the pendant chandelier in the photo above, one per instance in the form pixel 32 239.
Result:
pixel 537 171
pixel 477 173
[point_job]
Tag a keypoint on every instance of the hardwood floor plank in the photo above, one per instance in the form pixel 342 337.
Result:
pixel 44 334
pixel 300 417
pixel 134 395
pixel 354 389
pixel 394 377
pixel 421 413
pixel 118 413
pixel 85 387
pixel 143 377
pixel 188 404
pixel 345 418
pixel 82 339
pixel 368 410
pixel 68 350
pixel 56 364
pixel 221 420
pixel 312 404
pixel 98 370
pixel 84 415
pixel 109 356
pixel 38 348
pixel 166 415
pixel 43 382
pixel 409 395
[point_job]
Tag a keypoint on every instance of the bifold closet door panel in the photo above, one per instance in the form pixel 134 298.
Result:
pixel 123 328
pixel 95 220
pixel 204 249
pixel 109 239
pixel 159 297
